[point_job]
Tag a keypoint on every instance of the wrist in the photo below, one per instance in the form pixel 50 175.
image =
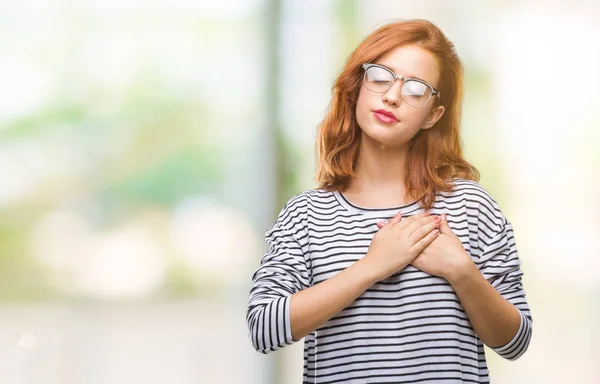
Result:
pixel 368 271
pixel 462 272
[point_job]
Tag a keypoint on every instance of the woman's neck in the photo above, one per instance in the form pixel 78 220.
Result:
pixel 380 176
pixel 380 166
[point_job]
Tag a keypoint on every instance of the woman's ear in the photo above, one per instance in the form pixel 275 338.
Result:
pixel 433 117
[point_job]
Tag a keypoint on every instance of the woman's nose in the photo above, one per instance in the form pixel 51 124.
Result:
pixel 393 95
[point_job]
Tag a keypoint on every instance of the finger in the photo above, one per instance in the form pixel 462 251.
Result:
pixel 417 223
pixel 411 219
pixel 418 232
pixel 445 228
pixel 396 219
pixel 424 242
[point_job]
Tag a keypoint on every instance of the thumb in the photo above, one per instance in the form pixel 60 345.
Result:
pixel 444 227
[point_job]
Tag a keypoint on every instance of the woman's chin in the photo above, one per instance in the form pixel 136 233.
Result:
pixel 386 139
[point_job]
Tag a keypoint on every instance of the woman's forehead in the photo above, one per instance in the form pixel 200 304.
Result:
pixel 412 61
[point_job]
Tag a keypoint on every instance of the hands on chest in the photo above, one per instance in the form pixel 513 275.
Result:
pixel 424 241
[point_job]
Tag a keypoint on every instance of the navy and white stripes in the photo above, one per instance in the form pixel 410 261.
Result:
pixel 409 328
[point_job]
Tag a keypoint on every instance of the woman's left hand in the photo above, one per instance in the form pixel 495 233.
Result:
pixel 446 256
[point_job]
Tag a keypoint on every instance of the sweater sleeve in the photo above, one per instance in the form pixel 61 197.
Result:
pixel 500 265
pixel 282 272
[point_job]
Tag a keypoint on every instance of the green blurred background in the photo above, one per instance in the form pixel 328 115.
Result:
pixel 146 146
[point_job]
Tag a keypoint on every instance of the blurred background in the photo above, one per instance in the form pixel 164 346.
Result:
pixel 146 147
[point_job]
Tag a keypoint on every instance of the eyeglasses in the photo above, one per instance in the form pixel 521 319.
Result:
pixel 380 79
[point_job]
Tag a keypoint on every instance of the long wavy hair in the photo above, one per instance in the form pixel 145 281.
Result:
pixel 434 155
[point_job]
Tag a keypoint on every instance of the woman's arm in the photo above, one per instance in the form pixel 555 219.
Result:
pixel 490 291
pixel 314 306
pixel 495 294
pixel 494 318
pixel 492 295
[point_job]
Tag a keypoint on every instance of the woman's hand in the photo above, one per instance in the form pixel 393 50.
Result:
pixel 445 257
pixel 398 242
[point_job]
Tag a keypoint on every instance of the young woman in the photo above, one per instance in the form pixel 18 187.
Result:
pixel 400 266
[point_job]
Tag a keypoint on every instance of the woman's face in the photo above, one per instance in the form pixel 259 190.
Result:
pixel 407 61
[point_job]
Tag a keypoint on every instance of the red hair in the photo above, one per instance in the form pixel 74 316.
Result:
pixel 434 155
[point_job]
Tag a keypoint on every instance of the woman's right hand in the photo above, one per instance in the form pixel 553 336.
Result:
pixel 399 242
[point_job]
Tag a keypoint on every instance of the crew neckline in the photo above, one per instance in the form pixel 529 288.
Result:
pixel 412 207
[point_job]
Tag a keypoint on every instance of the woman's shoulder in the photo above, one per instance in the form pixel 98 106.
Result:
pixel 477 196
pixel 471 189
pixel 309 196
pixel 298 204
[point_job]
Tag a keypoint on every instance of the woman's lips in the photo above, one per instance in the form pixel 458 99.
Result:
pixel 384 118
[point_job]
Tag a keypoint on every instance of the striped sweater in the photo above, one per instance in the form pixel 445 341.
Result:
pixel 408 328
